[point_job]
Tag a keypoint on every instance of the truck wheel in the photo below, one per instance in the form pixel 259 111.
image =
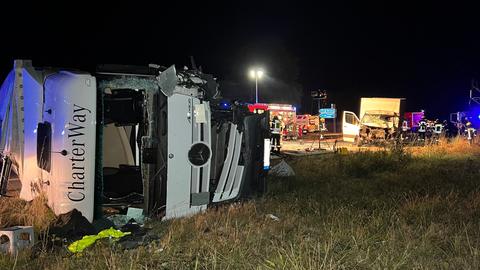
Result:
pixel 357 141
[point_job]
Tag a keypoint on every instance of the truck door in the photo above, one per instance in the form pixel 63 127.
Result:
pixel 351 126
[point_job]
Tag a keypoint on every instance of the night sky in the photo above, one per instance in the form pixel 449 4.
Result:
pixel 426 53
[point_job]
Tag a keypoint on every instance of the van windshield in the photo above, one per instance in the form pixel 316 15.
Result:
pixel 378 120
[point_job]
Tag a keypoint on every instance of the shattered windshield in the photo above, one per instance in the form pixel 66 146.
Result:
pixel 378 120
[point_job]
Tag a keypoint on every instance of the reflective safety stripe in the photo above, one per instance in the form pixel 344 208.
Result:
pixel 266 154
pixel 276 127
pixel 422 127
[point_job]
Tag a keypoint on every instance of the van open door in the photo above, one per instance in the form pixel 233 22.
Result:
pixel 351 126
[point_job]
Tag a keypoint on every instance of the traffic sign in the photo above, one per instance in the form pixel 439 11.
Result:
pixel 328 113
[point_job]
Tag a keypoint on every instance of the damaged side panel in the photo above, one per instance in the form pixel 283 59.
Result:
pixel 71 115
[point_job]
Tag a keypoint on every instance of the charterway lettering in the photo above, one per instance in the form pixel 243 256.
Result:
pixel 76 135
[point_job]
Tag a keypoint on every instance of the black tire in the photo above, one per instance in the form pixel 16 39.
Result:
pixel 357 141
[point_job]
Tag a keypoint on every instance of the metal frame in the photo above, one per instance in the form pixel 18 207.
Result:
pixel 5 175
pixel 474 93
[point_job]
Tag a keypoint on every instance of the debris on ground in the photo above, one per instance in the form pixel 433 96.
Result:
pixel 139 235
pixel 101 224
pixel 72 226
pixel 282 169
pixel 136 214
pixel 132 213
pixel 16 238
pixel 273 217
pixel 88 240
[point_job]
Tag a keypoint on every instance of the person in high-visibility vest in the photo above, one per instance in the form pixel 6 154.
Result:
pixel 405 129
pixel 323 127
pixel 446 129
pixel 429 132
pixel 469 130
pixel 437 129
pixel 422 128
pixel 276 130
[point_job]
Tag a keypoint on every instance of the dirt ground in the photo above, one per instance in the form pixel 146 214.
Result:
pixel 311 143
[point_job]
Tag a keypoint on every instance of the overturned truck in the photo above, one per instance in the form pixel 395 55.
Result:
pixel 143 136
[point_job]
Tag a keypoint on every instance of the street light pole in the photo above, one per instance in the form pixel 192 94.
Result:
pixel 256 89
pixel 256 74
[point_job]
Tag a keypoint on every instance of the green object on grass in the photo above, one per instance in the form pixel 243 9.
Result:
pixel 88 240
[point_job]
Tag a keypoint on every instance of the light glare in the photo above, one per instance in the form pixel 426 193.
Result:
pixel 259 73
pixel 252 74
pixel 256 73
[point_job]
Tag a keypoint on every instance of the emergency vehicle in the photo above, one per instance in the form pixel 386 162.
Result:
pixel 309 123
pixel 413 119
pixel 286 113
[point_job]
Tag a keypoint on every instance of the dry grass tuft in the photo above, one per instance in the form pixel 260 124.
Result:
pixel 456 147
pixel 17 212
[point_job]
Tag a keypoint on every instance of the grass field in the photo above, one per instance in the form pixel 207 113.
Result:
pixel 368 210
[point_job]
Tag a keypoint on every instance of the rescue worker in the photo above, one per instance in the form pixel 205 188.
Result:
pixel 405 129
pixel 422 128
pixel 429 132
pixel 437 129
pixel 323 127
pixel 446 129
pixel 469 130
pixel 468 124
pixel 276 130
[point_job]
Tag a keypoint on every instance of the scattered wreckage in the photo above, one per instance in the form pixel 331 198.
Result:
pixel 151 136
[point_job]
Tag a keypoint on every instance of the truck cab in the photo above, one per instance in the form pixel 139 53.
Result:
pixel 149 137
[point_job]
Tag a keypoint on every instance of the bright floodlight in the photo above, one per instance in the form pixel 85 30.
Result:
pixel 256 73
pixel 253 74
pixel 259 73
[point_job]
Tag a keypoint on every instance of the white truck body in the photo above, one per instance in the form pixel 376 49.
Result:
pixel 72 115
pixel 386 107
pixel 68 181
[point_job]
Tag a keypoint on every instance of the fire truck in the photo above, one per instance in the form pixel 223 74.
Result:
pixel 309 123
pixel 413 118
pixel 286 113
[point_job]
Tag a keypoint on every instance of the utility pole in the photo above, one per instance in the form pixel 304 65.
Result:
pixel 334 120
pixel 321 97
